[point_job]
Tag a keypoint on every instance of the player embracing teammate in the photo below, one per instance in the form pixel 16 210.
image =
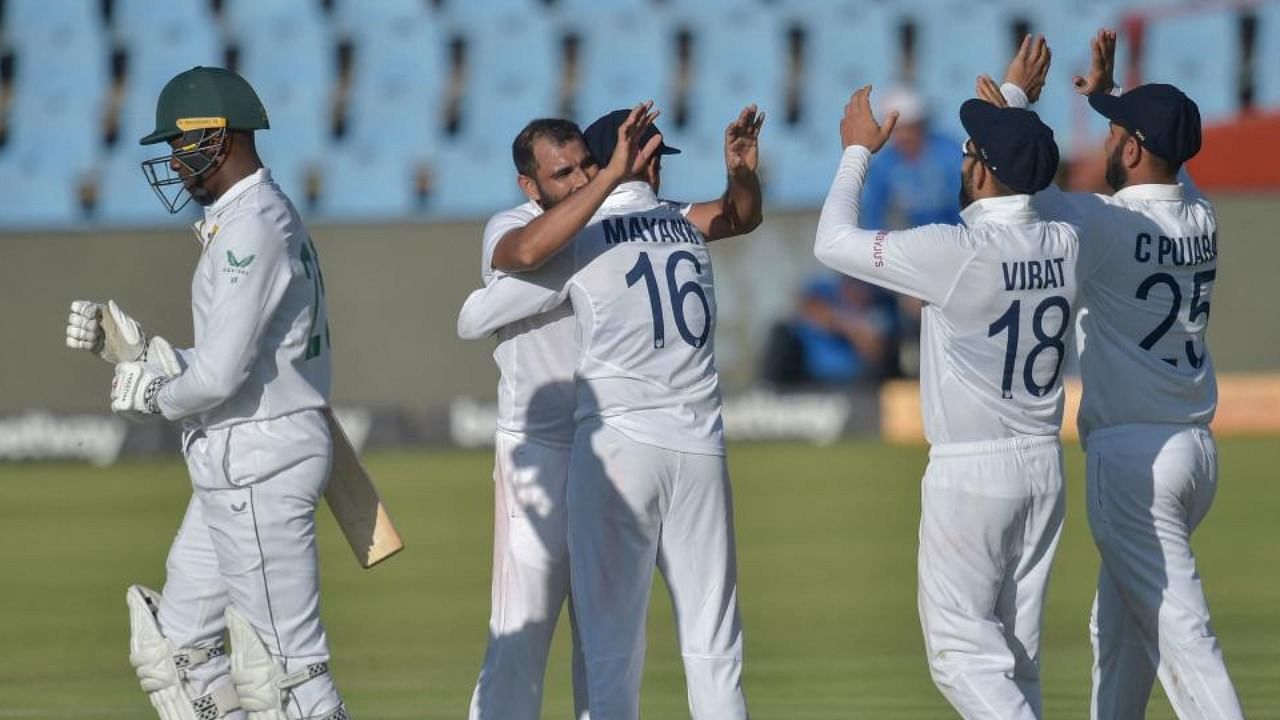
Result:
pixel 610 451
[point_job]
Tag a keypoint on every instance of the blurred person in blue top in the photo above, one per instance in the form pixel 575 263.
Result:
pixel 844 332
pixel 915 180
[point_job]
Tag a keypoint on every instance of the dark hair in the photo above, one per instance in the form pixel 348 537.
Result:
pixel 556 130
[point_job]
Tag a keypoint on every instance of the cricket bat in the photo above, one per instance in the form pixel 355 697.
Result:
pixel 356 505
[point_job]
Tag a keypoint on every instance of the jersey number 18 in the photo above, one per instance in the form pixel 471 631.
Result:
pixel 1010 322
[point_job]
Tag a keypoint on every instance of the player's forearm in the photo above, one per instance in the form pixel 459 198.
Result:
pixel 840 244
pixel 203 386
pixel 737 212
pixel 527 248
pixel 505 301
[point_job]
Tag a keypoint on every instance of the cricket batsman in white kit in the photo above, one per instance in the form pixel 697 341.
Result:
pixel 999 292
pixel 252 397
pixel 647 478
pixel 536 357
pixel 1148 265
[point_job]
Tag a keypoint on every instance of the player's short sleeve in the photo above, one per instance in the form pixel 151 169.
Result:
pixel 677 205
pixel 497 227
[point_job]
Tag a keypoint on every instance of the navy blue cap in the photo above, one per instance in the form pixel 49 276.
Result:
pixel 602 136
pixel 1162 117
pixel 1013 143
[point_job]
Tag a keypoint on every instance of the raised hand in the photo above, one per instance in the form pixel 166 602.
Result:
pixel 629 158
pixel 1102 65
pixel 1030 66
pixel 988 90
pixel 859 126
pixel 742 141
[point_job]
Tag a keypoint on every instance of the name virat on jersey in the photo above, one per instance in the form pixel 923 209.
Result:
pixel 639 228
pixel 1034 274
pixel 1163 250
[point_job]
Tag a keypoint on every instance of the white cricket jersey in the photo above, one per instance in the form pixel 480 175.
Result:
pixel 1148 261
pixel 257 304
pixel 535 355
pixel 999 292
pixel 640 281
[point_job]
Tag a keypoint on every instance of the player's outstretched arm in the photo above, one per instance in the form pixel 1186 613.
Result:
pixel 528 247
pixel 922 262
pixel 741 208
pixel 511 298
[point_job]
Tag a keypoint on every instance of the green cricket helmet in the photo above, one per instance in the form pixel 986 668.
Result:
pixel 197 107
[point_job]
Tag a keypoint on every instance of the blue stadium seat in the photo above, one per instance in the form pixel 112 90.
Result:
pixel 614 75
pixel 153 59
pixel 697 173
pixel 1266 63
pixel 464 10
pixel 847 45
pixel 797 166
pixel 36 194
pixel 361 182
pixel 739 57
pixel 243 16
pixel 36 21
pixel 570 9
pixel 125 198
pixel 400 67
pixel 174 20
pixel 473 178
pixel 1068 28
pixel 513 74
pixel 955 42
pixel 60 80
pixel 291 65
pixel 359 18
pixel 1197 52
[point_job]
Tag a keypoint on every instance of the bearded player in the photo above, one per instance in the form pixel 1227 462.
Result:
pixel 536 400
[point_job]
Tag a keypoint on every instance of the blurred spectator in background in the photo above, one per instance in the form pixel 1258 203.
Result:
pixel 843 333
pixel 916 179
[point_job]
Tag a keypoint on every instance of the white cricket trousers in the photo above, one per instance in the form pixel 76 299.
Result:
pixel 1149 486
pixel 530 581
pixel 991 515
pixel 249 540
pixel 633 506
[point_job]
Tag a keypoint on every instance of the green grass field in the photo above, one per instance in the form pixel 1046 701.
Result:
pixel 826 540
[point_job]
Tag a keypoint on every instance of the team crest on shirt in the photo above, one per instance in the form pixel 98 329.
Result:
pixel 237 267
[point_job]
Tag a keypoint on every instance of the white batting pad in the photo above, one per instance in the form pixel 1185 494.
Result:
pixel 158 665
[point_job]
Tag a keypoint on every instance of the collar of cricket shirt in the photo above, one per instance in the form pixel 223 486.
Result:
pixel 1006 210
pixel 631 194
pixel 258 176
pixel 1151 191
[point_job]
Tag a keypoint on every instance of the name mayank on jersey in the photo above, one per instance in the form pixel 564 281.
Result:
pixel 638 228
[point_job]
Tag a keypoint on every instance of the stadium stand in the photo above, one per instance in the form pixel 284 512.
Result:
pixel 1175 49
pixel 1267 56
pixel 433 90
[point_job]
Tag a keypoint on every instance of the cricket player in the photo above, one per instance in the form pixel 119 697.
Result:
pixel 251 396
pixel 999 292
pixel 647 478
pixel 536 357
pixel 1148 265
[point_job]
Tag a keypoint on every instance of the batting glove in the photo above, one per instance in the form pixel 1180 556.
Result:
pixel 135 390
pixel 106 331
